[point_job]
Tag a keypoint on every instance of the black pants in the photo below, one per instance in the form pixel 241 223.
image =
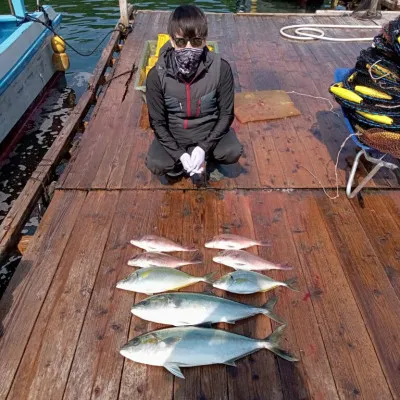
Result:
pixel 227 151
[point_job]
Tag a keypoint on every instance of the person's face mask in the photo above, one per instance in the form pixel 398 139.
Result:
pixel 188 60
pixel 188 53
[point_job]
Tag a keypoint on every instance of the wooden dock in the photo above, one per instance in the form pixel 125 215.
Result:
pixel 62 321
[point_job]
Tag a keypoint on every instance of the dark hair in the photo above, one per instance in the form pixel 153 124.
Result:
pixel 188 21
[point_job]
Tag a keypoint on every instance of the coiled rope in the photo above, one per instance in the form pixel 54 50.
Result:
pixel 307 32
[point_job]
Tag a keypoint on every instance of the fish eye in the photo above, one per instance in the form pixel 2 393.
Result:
pixel 135 342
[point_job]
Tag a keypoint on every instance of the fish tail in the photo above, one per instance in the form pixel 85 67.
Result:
pixel 265 243
pixel 209 278
pixel 190 248
pixel 291 284
pixel 197 258
pixel 285 267
pixel 268 308
pixel 272 343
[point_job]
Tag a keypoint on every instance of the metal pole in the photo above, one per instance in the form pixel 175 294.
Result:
pixel 123 7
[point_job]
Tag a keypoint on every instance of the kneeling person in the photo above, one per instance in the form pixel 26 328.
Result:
pixel 190 97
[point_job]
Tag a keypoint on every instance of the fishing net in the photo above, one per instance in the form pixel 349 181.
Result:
pixel 370 93
pixel 384 141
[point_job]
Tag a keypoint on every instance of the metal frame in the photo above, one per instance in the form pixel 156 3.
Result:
pixel 379 163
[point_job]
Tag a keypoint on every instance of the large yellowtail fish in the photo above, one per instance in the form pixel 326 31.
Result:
pixel 247 282
pixel 183 308
pixel 173 348
pixel 160 279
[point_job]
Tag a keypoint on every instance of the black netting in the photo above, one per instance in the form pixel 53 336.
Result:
pixel 370 92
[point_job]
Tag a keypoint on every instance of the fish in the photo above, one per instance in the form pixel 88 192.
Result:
pixel 239 259
pixel 158 243
pixel 227 241
pixel 184 308
pixel 173 348
pixel 157 259
pixel 160 279
pixel 247 282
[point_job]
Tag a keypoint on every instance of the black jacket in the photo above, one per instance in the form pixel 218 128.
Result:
pixel 189 113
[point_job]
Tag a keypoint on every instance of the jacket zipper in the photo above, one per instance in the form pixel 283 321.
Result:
pixel 198 108
pixel 188 105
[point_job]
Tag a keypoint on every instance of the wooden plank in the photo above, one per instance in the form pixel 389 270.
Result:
pixel 375 217
pixel 115 157
pixel 376 298
pixel 24 204
pixel 146 381
pixel 133 172
pixel 312 376
pixel 103 131
pixel 200 223
pixel 45 365
pixel 257 374
pixel 97 366
pixel 25 294
pixel 351 354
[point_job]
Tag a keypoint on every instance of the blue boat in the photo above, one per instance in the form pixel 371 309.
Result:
pixel 26 64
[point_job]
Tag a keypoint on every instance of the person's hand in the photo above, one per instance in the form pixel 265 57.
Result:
pixel 197 158
pixel 197 171
pixel 186 162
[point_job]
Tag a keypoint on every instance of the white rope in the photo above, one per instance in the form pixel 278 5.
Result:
pixel 338 154
pixel 318 98
pixel 336 170
pixel 306 32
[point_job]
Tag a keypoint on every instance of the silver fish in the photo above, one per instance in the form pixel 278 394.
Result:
pixel 160 279
pixel 173 348
pixel 247 282
pixel 158 243
pixel 233 242
pixel 239 259
pixel 183 308
pixel 155 259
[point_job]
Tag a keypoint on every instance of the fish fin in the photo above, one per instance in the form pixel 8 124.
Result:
pixel 208 278
pixel 268 308
pixel 231 363
pixel 272 344
pixel 291 284
pixel 172 340
pixel 190 248
pixel 205 325
pixel 197 258
pixel 265 243
pixel 285 267
pixel 174 369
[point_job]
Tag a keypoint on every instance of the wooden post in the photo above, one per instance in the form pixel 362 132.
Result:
pixel 123 7
pixel 11 7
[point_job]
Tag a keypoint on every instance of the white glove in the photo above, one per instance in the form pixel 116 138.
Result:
pixel 197 158
pixel 197 171
pixel 186 162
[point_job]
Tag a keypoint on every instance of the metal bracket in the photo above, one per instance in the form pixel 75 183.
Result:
pixel 379 163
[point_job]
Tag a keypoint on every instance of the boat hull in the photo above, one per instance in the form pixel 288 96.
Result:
pixel 24 80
